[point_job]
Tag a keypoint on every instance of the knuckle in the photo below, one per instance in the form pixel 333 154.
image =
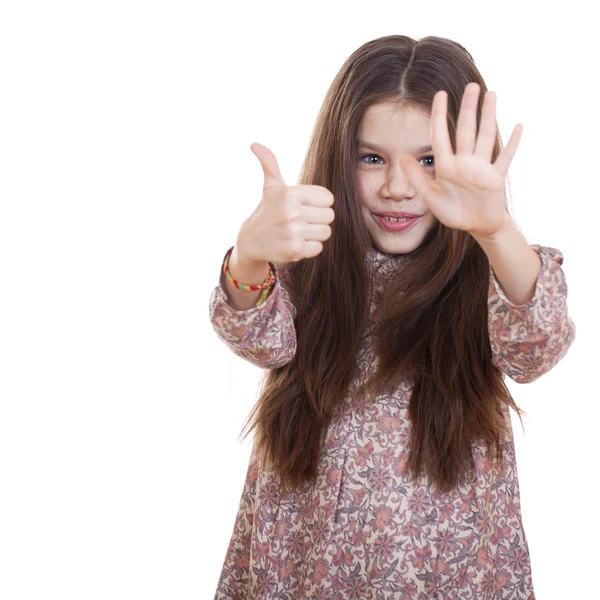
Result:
pixel 294 248
pixel 290 214
pixel 292 229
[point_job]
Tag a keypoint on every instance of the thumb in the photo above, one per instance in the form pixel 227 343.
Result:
pixel 416 176
pixel 269 165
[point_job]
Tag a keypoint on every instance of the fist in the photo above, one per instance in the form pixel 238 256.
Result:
pixel 290 222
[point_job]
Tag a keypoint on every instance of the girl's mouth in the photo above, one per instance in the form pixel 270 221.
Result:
pixel 390 224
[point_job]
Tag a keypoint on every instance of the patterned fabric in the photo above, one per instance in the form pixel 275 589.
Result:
pixel 364 530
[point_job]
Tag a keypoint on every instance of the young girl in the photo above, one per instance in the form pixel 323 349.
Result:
pixel 388 295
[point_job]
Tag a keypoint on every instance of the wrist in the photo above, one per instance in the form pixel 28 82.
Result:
pixel 247 271
pixel 496 238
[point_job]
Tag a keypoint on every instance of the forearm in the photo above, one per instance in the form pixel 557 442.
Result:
pixel 514 262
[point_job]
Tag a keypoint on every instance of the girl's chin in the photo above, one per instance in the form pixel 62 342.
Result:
pixel 395 246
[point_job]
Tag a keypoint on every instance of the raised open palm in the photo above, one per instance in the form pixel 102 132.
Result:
pixel 468 191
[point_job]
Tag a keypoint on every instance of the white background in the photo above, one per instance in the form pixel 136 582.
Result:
pixel 125 174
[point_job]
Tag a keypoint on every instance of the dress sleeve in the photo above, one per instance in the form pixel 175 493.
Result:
pixel 528 340
pixel 264 335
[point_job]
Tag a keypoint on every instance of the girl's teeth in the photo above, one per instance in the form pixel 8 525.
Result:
pixel 394 220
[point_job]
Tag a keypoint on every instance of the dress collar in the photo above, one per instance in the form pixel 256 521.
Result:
pixel 382 263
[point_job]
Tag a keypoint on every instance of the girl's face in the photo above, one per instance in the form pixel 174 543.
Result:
pixel 386 133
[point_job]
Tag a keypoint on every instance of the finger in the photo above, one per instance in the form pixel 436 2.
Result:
pixel 466 126
pixel 311 195
pixel 269 165
pixel 503 161
pixel 311 249
pixel 487 129
pixel 416 176
pixel 314 214
pixel 440 138
pixel 318 233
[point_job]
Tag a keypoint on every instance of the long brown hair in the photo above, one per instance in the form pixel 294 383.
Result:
pixel 434 324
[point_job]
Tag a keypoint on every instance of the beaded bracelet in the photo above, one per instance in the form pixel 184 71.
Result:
pixel 265 286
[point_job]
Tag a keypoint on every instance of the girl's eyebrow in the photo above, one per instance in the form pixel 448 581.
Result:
pixel 365 144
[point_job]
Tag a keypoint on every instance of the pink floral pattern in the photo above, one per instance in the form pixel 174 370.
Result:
pixel 364 530
pixel 529 339
pixel 264 335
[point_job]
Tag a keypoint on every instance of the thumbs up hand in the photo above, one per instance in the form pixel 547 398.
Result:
pixel 290 222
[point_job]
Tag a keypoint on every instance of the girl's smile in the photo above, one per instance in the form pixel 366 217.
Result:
pixel 396 226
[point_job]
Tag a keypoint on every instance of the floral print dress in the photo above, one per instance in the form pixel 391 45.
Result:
pixel 364 530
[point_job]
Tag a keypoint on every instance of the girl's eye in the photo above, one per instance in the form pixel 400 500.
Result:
pixel 430 157
pixel 368 155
